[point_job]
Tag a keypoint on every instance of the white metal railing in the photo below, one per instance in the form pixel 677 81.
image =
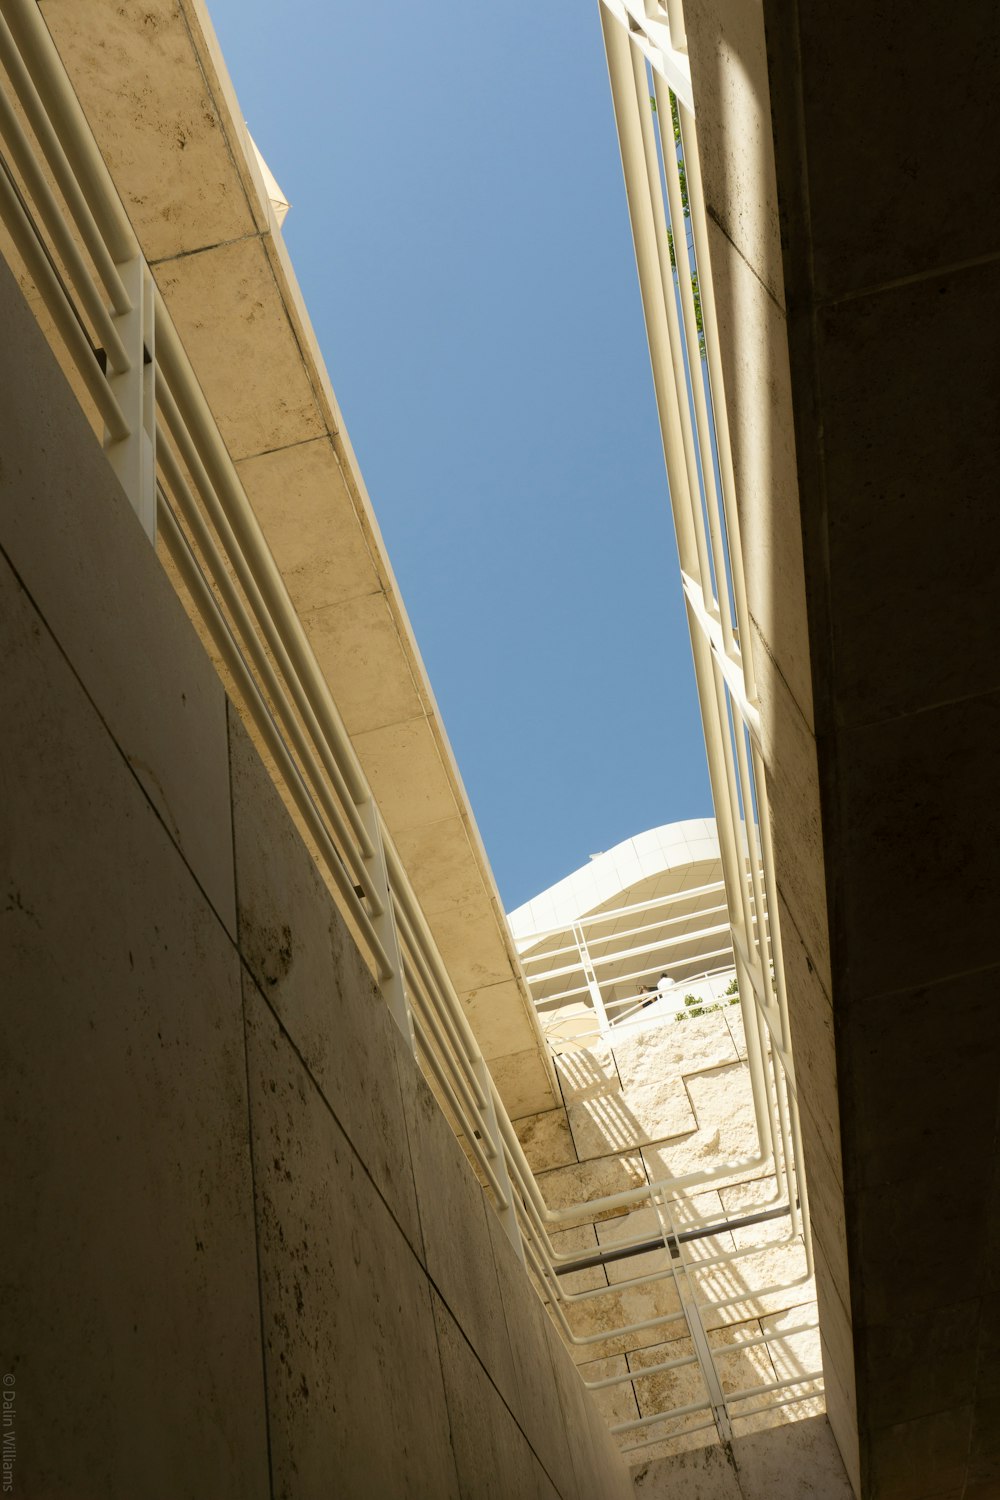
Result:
pixel 684 935
pixel 646 47
pixel 65 229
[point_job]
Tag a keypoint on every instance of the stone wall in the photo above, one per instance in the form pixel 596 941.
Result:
pixel 244 1254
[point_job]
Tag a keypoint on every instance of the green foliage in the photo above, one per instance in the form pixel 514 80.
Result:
pixel 675 117
pixel 733 987
pixel 694 1005
pixel 699 322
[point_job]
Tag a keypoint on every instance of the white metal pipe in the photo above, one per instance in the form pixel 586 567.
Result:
pixel 775 1385
pixel 439 1009
pixel 678 1411
pixel 647 1370
pixel 706 284
pixel 685 271
pixel 52 292
pixel 63 242
pixel 653 292
pixel 45 66
pixel 65 177
pixel 424 1009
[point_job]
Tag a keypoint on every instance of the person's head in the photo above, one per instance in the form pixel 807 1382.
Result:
pixel 664 975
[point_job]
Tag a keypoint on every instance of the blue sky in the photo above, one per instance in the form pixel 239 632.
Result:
pixel 460 232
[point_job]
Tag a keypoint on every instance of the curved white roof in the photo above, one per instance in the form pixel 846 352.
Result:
pixel 662 861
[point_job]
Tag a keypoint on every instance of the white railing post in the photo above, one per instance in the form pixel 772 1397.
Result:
pixel 393 985
pixel 133 457
pixel 600 1010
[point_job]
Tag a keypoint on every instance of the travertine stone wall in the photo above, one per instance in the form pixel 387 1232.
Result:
pixel 799 1459
pixel 243 1253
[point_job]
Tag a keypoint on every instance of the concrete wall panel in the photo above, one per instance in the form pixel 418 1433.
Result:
pixel 130 1322
pixel 355 1396
pixel 154 1256
pixel 300 953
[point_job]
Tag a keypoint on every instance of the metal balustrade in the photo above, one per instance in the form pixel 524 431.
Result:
pixel 67 233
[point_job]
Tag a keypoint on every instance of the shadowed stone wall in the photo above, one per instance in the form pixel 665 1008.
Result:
pixel 244 1254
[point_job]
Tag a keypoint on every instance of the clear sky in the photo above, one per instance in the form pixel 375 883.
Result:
pixel 460 233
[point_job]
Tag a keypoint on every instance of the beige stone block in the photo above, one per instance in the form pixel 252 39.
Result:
pixel 473 947
pixel 537 1411
pixel 737 1030
pixel 640 1224
pixel 595 1319
pixel 404 766
pixel 810 1017
pixel 522 1083
pixel 586 1070
pixel 759 1196
pixel 842 1414
pixel 441 864
pixel 79 550
pixel 796 826
pixel 499 1018
pixel 546 1140
pixel 599 1471
pixel 693 1045
pixel 800 1457
pixel 699 1473
pixel 837 1333
pixel 569 1187
pixel 723 1102
pixel 727 1130
pixel 614 1121
pixel 301 499
pixel 578 1242
pixel 128 1189
pixel 753 337
pixel 741 1369
pixel 230 315
pixel 741 1283
pixel 729 71
pixel 493 1458
pixel 662 1392
pixel 305 963
pixel 358 647
pixel 337 1275
pixel 162 136
pixel 926 1456
pixel 827 1209
pixel 797 1354
pixel 616 1403
pixel 458 1250
pixel 644 1223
